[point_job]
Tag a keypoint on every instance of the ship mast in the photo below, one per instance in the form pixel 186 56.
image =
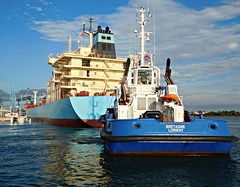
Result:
pixel 90 32
pixel 143 37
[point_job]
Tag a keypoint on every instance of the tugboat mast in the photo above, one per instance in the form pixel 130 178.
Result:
pixel 143 38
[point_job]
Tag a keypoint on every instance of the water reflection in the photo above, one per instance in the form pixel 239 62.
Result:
pixel 169 171
pixel 76 161
pixel 77 158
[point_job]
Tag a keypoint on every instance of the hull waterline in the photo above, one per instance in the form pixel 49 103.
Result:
pixel 170 148
pixel 78 123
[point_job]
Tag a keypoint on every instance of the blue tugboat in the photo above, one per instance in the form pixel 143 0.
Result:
pixel 150 119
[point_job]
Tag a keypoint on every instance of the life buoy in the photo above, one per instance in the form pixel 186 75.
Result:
pixel 147 57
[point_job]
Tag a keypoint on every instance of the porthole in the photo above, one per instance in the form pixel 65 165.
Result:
pixel 213 126
pixel 136 126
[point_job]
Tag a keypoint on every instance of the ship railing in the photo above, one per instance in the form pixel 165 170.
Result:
pixel 61 77
pixel 58 69
pixel 65 84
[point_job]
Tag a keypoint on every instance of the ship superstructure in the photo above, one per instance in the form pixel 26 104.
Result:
pixel 87 71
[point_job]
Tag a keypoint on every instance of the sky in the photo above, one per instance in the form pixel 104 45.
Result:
pixel 202 39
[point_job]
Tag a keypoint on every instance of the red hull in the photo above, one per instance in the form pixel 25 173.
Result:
pixel 85 123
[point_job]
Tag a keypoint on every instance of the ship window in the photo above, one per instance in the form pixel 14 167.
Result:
pixel 132 77
pixel 103 37
pixel 86 62
pixel 88 73
pixel 151 103
pixel 104 47
pixel 108 38
pixel 144 77
pixel 124 65
pixel 155 77
pixel 141 103
pixel 109 47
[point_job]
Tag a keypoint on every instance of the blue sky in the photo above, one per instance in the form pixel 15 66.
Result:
pixel 202 38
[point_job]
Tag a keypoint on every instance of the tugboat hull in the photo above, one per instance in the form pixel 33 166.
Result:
pixel 169 147
pixel 198 137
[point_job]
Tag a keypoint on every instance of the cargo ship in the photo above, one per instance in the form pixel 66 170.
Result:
pixel 83 83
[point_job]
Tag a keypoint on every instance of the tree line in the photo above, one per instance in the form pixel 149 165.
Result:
pixel 223 113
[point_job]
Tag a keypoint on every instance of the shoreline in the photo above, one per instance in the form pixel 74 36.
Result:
pixel 219 113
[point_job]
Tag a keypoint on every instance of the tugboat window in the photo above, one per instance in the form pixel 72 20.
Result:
pixel 155 77
pixel 103 37
pixel 132 77
pixel 144 77
pixel 108 38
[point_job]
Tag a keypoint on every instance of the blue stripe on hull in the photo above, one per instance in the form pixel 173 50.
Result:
pixel 86 108
pixel 168 147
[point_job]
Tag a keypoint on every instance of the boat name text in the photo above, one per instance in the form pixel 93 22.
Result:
pixel 175 128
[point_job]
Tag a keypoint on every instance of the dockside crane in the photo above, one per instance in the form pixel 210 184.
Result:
pixel 13 100
pixel 23 100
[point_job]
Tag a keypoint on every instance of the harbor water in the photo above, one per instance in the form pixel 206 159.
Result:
pixel 43 155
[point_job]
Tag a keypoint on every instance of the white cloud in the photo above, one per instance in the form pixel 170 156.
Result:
pixel 197 71
pixel 25 13
pixel 233 45
pixel 44 2
pixel 57 30
pixel 36 8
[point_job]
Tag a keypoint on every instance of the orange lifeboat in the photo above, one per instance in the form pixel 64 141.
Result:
pixel 170 97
